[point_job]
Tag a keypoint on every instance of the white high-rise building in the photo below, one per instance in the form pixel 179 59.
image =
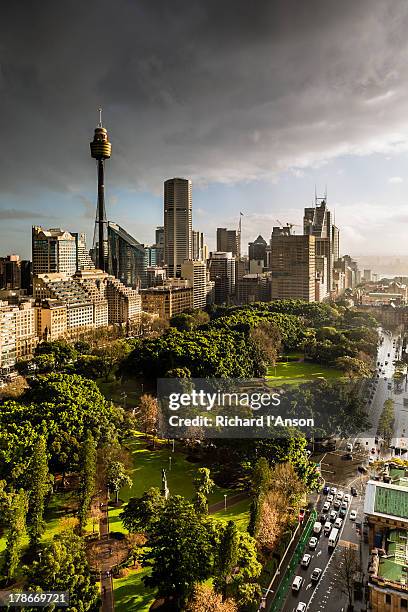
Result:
pixel 54 250
pixel 177 224
pixel 196 273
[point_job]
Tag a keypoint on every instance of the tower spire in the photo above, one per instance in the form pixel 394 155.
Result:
pixel 101 149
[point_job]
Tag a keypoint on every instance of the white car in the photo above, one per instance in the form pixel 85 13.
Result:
pixel 338 523
pixel 326 506
pixel 347 498
pixel 312 543
pixel 317 572
pixel 297 583
pixel 330 498
pixel 339 495
pixel 353 515
pixel 337 504
pixel 301 607
pixel 370 460
pixel 306 560
pixel 333 490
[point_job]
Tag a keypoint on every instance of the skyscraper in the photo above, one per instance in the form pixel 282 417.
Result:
pixel 101 149
pixel 177 224
pixel 54 250
pixel 292 265
pixel 84 260
pixel 196 272
pixel 318 222
pixel 222 272
pixel 228 241
pixel 127 259
pixel 198 246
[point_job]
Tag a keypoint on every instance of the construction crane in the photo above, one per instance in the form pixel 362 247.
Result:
pixel 289 225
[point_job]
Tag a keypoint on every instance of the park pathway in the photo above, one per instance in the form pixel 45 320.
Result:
pixel 229 502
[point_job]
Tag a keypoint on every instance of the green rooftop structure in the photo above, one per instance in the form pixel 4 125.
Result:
pixel 391 501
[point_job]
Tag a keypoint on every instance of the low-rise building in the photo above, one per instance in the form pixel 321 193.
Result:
pixel 51 319
pixel 18 337
pixel 386 510
pixel 167 301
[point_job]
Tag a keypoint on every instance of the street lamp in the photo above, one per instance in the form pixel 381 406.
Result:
pixel 225 501
pixel 170 463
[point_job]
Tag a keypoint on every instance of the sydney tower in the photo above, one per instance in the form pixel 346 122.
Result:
pixel 101 149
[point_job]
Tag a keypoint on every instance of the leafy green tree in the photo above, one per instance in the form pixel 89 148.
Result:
pixel 87 479
pixel 244 586
pixel 64 567
pixel 181 551
pixel 117 477
pixel 226 557
pixel 111 355
pixel 63 407
pixel 141 513
pixel 62 352
pixel 203 485
pixel 40 486
pixel 16 521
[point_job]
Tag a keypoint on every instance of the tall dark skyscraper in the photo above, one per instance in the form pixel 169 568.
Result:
pixel 228 241
pixel 178 224
pixel 101 149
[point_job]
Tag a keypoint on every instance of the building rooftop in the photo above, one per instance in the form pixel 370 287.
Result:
pixel 388 500
pixel 394 565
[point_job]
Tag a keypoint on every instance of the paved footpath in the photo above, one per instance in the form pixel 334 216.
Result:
pixel 108 604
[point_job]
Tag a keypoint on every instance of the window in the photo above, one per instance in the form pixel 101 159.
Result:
pixel 388 599
pixel 404 603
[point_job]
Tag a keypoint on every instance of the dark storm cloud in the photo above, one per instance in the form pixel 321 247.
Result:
pixel 219 90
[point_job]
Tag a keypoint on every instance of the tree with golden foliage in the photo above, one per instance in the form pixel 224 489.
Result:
pixel 205 599
pixel 273 519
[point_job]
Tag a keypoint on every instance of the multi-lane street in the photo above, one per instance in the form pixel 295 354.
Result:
pixel 327 594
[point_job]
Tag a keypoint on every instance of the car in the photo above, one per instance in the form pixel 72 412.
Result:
pixel 348 457
pixel 339 495
pixel 330 498
pixel 306 560
pixel 338 523
pixel 353 491
pixel 317 572
pixel 362 469
pixel 333 490
pixel 333 516
pixel 386 362
pixel 358 523
pixel 327 528
pixel 342 512
pixel 347 498
pixel 301 607
pixel 344 505
pixel 337 504
pixel 326 506
pixel 326 489
pixel 312 543
pixel 297 583
pixel 349 446
pixel 373 451
pixel 353 515
pixel 323 518
pixel 317 528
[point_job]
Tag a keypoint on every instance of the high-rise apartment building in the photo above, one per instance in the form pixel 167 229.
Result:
pixel 54 250
pixel 159 244
pixel 292 265
pixel 177 224
pixel 127 257
pixel 222 272
pixel 228 241
pixel 196 273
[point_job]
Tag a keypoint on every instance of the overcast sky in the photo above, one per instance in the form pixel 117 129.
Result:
pixel 256 102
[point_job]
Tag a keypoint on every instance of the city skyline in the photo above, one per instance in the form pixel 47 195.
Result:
pixel 325 106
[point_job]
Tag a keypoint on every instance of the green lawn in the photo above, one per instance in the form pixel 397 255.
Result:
pixel 239 513
pixel 147 472
pixel 297 372
pixel 131 593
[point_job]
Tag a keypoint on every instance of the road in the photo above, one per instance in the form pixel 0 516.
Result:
pixel 326 595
